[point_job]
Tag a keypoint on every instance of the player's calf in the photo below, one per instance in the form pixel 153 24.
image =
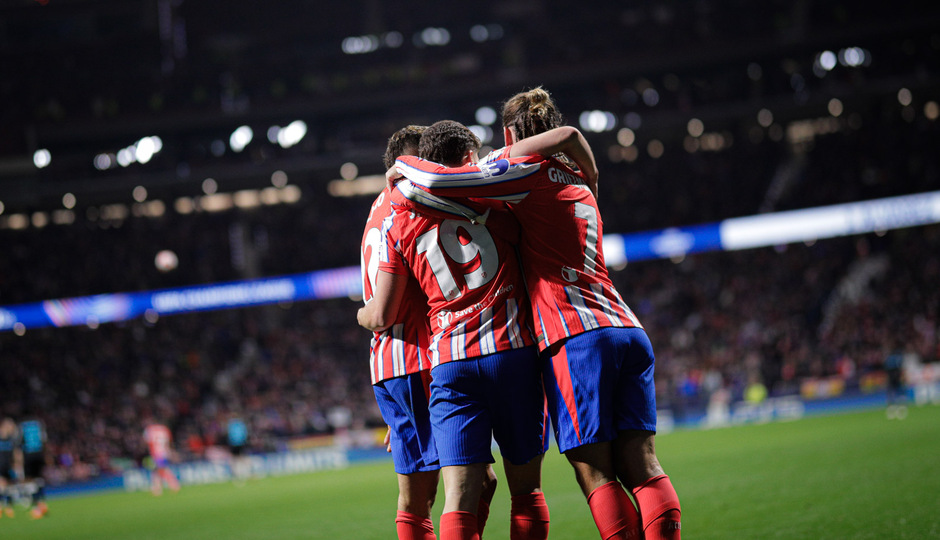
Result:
pixel 659 509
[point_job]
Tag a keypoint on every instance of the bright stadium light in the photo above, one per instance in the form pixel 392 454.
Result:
pixel 144 150
pixel 854 57
pixel 42 158
pixel 247 198
pixel 931 110
pixel 292 134
pixel 393 40
pixel 486 115
pixel 279 179
pixel 435 36
pixel 597 121
pixel 166 260
pixel 489 32
pixel 240 138
pixel 827 60
pixel 104 161
pixel 125 157
pixel 484 133
pixel 209 186
pixel 765 118
pixel 905 97
pixel 360 44
pixel 348 171
pixel 626 137
pixel 835 107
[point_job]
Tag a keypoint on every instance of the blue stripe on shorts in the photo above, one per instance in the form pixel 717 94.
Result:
pixel 600 383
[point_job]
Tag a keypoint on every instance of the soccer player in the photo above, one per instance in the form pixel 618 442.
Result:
pixel 598 369
pixel 32 458
pixel 484 364
pixel 401 376
pixel 237 435
pixel 7 476
pixel 158 438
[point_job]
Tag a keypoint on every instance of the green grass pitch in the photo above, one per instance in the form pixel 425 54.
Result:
pixel 854 475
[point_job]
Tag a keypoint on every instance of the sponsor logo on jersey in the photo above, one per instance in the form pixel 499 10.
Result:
pixel 562 177
pixel 444 319
pixel 496 168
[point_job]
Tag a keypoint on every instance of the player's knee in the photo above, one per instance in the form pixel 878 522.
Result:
pixel 490 481
pixel 635 457
pixel 419 506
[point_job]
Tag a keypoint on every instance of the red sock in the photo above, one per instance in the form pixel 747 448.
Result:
pixel 414 527
pixel 659 508
pixel 614 513
pixel 483 512
pixel 529 517
pixel 459 526
pixel 170 479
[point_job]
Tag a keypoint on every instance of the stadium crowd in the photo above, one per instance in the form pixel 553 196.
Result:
pixel 301 370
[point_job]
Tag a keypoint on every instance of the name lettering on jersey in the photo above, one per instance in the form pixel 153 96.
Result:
pixel 563 177
pixel 445 318
pixel 495 168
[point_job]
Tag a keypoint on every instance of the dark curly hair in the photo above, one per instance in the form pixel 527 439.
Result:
pixel 447 142
pixel 403 142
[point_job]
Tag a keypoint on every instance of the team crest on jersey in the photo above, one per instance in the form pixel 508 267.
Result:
pixel 496 168
pixel 569 274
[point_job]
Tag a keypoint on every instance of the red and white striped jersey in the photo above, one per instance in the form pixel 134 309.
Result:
pixel 561 242
pixel 402 348
pixel 476 298
pixel 158 438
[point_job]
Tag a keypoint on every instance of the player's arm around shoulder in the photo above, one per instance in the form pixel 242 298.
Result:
pixel 567 140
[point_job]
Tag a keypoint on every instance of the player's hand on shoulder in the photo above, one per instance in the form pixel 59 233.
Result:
pixel 393 177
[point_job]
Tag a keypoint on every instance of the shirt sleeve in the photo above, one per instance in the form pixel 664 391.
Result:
pixel 390 258
pixel 506 179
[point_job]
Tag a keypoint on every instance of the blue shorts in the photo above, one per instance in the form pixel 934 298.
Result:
pixel 495 396
pixel 403 402
pixel 599 383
